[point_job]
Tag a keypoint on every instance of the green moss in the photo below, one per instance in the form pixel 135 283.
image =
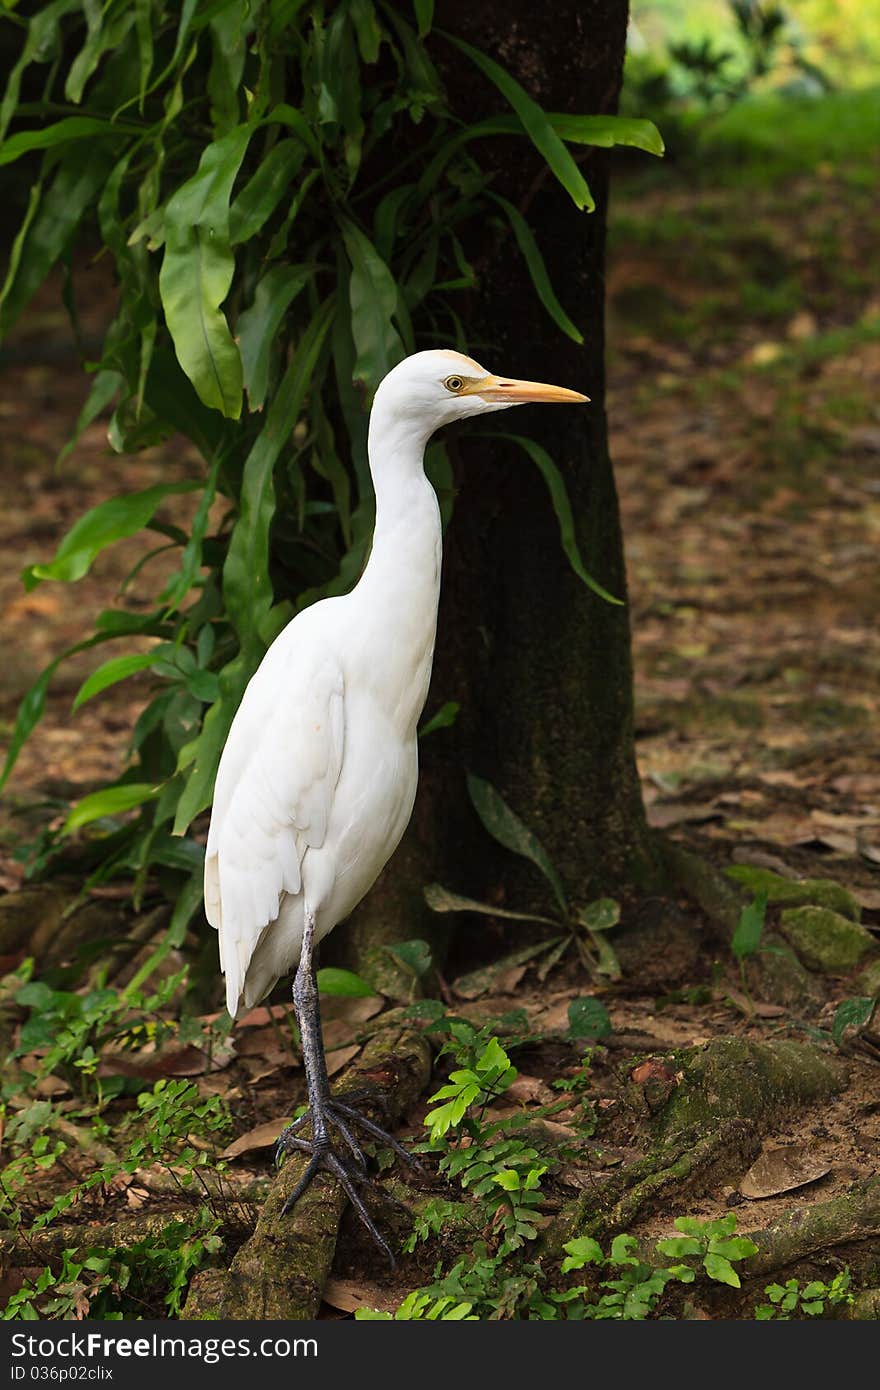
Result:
pixel 733 1078
pixel 801 892
pixel 825 940
pixel 869 981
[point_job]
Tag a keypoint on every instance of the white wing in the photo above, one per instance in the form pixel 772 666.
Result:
pixel 273 795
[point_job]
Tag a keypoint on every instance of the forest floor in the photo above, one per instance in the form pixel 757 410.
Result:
pixel 744 380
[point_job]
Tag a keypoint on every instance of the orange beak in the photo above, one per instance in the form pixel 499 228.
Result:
pixel 507 389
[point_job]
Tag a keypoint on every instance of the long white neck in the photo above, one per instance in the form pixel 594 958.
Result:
pixel 400 587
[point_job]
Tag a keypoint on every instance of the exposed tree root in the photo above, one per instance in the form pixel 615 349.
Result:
pixel 854 1215
pixel 709 1130
pixel 721 901
pixel 281 1271
pixel 687 1163
pixel 734 1078
pixel 775 972
pixel 865 1307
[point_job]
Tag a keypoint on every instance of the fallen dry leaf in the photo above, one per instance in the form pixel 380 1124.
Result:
pixel 781 1170
pixel 258 1070
pixel 49 1086
pixel 260 1137
pixel 664 814
pixel 351 1294
pixel 340 1057
pixel 265 1045
pixel 183 1061
pixel 260 1016
pixel 351 1008
pixel 652 1070
pixel 530 1088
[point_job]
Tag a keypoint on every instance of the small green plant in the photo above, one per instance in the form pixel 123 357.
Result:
pixel 585 928
pixel 501 1173
pixel 71 1031
pixel 420 1307
pixel 749 929
pixel 790 1300
pixel 499 1169
pixel 627 1286
pixel 115 1283
pixel 713 1244
pixel 633 1291
pixel 489 1076
pixel 853 1016
pixel 39 1136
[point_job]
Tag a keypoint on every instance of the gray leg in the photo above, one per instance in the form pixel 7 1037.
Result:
pixel 323 1110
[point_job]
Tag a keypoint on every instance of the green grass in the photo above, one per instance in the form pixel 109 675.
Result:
pixel 774 134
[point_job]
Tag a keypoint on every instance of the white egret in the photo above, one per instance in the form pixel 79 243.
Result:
pixel 318 776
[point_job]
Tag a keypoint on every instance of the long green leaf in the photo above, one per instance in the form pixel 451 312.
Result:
pixel 32 706
pixel 197 270
pixel 108 28
pixel 369 33
pixel 537 269
pixel 169 393
pixel 263 192
pixel 562 507
pixel 20 242
pixel 191 561
pixel 258 325
pixel 247 587
pixel 202 755
pixel 507 828
pixel 440 899
pixel 229 46
pixel 61 133
pixel 100 526
pixel 607 131
pixel 41 46
pixel 73 191
pixel 143 19
pixel 118 668
pixel 374 302
pixel 105 386
pixel 295 120
pixel 601 131
pixel 189 900
pixel 536 124
pixel 110 801
pixel 424 16
pixel 246 584
pixel 604 131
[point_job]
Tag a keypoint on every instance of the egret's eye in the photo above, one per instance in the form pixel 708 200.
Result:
pixel 453 383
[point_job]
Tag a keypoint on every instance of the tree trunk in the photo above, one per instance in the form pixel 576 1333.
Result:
pixel 540 665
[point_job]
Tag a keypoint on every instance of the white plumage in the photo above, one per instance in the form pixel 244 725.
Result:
pixel 318 777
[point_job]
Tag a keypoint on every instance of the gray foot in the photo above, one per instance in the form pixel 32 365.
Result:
pixel 347 1164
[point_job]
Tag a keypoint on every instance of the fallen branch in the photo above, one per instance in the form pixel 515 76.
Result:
pixel 281 1271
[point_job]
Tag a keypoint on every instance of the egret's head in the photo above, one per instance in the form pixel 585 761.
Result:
pixel 434 388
